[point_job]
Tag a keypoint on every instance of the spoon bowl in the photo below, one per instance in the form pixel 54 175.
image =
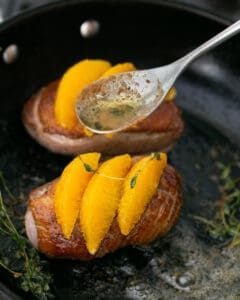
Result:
pixel 104 105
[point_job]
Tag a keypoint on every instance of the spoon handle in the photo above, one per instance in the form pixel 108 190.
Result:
pixel 212 43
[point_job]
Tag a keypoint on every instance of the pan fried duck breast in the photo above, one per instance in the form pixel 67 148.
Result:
pixel 50 118
pixel 96 207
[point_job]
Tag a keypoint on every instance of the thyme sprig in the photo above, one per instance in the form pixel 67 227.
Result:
pixel 225 226
pixel 30 274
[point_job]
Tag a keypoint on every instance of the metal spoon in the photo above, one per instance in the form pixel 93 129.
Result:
pixel 116 102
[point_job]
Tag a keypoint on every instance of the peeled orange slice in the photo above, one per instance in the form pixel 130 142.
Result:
pixel 119 68
pixel 100 200
pixel 71 84
pixel 140 185
pixel 70 188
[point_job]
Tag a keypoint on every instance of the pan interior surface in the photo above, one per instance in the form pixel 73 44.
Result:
pixel 208 93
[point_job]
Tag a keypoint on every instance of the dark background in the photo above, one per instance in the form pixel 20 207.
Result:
pixel 229 9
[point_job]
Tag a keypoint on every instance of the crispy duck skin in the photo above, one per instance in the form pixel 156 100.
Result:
pixel 45 233
pixel 157 132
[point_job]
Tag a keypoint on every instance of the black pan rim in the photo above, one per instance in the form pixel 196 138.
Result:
pixel 31 13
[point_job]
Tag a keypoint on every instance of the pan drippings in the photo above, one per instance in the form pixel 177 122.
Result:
pixel 103 112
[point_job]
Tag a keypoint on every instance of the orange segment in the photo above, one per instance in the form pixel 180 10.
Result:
pixel 70 188
pixel 171 94
pixel 100 200
pixel 71 84
pixel 139 187
pixel 119 68
pixel 87 132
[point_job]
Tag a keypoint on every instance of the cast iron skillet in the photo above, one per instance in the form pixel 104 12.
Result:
pixel 149 33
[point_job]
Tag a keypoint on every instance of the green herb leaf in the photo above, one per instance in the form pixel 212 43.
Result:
pixel 121 110
pixel 133 181
pixel 88 168
pixel 156 155
pixel 30 274
pixel 226 223
pixel 116 112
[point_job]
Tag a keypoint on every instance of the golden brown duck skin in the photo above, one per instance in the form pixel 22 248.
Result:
pixel 157 132
pixel 45 233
